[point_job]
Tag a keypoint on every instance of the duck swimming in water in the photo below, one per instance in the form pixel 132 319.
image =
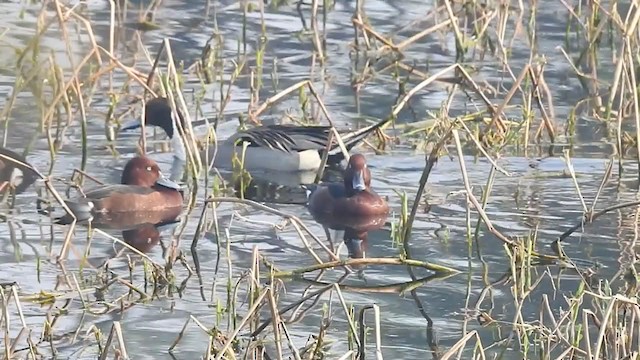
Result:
pixel 282 148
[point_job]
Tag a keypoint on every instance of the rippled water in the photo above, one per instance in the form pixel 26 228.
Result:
pixel 537 193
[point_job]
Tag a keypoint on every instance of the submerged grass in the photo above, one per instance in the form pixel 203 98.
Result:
pixel 252 315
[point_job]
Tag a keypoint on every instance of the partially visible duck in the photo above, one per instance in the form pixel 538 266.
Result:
pixel 351 203
pixel 143 192
pixel 281 148
pixel 15 171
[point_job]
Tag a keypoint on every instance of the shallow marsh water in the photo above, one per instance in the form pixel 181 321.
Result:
pixel 538 193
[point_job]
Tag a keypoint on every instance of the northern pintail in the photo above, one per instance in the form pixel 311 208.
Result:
pixel 280 148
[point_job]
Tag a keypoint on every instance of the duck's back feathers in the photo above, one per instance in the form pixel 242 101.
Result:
pixel 285 137
pixel 290 138
pixel 106 190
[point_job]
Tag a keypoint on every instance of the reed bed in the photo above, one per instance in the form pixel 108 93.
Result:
pixel 251 313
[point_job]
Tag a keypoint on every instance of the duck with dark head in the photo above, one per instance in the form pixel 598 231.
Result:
pixel 144 196
pixel 276 148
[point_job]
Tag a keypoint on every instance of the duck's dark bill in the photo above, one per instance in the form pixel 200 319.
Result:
pixel 130 125
pixel 358 181
pixel 164 182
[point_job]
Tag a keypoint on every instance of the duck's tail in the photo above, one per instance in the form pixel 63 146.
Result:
pixel 309 189
pixel 81 210
pixel 352 139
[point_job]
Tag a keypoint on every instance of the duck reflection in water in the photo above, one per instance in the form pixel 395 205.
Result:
pixel 145 237
pixel 351 206
pixel 142 237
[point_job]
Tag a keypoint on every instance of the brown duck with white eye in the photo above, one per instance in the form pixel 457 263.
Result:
pixel 351 202
pixel 143 192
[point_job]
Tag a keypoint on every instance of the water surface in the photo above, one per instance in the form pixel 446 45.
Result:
pixel 538 195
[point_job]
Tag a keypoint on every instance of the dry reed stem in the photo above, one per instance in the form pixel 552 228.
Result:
pixel 500 125
pixel 422 34
pixel 394 288
pixel 515 87
pixel 132 73
pixel 276 212
pixel 376 315
pixel 131 248
pixel 84 174
pixel 315 256
pixel 180 335
pixel 482 150
pixel 497 115
pixel 336 135
pixel 572 172
pixel 367 261
pixel 63 92
pixel 431 160
pixel 631 71
pixel 9 348
pixel 347 355
pixel 276 321
pixel 472 198
pixel 325 157
pixel 605 179
pixel 292 348
pixel 314 30
pixel 456 28
pixel 577 71
pixel 87 26
pixel 112 40
pixel 295 304
pixel 460 344
pixel 250 314
pixel 628 29
pixel 358 15
pixel 116 330
pixel 539 84
pixel 592 216
pixel 253 115
pixel 613 301
pixel 405 99
pixel 367 29
pixel 187 135
pixel 345 308
pixel 279 96
pixel 56 196
pixel 410 69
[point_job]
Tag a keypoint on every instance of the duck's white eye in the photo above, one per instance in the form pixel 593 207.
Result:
pixel 149 168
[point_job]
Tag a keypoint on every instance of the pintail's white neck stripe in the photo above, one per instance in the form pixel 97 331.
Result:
pixel 176 141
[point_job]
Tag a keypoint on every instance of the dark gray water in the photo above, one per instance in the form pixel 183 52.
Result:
pixel 537 194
